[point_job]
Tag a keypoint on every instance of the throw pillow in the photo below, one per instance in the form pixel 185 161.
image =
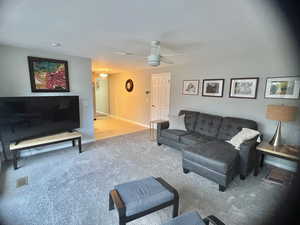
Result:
pixel 177 122
pixel 244 135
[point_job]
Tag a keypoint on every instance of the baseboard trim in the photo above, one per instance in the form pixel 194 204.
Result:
pixel 102 113
pixel 129 121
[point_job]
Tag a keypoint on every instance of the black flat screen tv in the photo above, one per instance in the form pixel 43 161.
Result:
pixel 23 118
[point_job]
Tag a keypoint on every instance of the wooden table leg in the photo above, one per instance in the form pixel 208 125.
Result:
pixel 73 143
pixel 15 160
pixel 79 145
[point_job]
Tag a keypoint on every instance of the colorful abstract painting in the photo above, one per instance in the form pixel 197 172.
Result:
pixel 48 75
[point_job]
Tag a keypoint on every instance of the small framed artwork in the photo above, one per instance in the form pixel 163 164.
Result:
pixel 48 75
pixel 283 87
pixel 190 87
pixel 213 87
pixel 243 87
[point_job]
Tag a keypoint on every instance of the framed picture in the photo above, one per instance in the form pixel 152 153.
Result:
pixel 243 87
pixel 283 87
pixel 190 87
pixel 213 87
pixel 48 75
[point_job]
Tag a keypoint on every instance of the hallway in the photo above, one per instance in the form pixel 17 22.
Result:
pixel 106 126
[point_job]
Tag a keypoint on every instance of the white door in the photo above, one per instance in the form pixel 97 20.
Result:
pixel 160 98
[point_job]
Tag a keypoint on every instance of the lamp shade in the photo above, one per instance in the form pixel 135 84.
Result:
pixel 281 112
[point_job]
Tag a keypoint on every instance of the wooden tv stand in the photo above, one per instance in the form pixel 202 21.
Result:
pixel 46 140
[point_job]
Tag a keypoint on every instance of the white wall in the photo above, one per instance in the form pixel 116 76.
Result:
pixel 101 95
pixel 15 81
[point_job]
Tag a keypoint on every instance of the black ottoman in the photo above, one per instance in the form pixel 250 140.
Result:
pixel 138 198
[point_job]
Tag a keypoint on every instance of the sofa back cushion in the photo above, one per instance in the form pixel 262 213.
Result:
pixel 231 126
pixel 208 125
pixel 190 118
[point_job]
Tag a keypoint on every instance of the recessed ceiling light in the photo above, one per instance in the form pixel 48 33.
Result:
pixel 55 44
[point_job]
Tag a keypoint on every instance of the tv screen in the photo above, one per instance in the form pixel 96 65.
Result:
pixel 28 117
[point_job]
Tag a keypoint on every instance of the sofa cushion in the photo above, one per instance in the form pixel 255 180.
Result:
pixel 190 118
pixel 173 134
pixel 231 126
pixel 141 195
pixel 190 218
pixel 217 155
pixel 194 138
pixel 208 125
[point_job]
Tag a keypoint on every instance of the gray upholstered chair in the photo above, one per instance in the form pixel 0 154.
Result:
pixel 136 199
pixel 193 218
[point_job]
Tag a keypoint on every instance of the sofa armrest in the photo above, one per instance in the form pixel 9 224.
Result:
pixel 247 156
pixel 162 126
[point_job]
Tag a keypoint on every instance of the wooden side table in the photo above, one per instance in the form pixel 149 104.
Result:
pixel 152 124
pixel 284 151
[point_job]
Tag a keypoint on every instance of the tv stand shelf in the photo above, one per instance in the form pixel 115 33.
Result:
pixel 46 140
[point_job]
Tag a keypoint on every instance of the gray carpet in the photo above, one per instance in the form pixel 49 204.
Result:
pixel 67 188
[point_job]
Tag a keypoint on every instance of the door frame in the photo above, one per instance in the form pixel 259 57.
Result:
pixel 151 100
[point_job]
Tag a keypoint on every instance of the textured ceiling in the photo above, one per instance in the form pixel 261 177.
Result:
pixel 98 28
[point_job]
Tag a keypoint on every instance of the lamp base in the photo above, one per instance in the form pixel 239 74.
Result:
pixel 276 140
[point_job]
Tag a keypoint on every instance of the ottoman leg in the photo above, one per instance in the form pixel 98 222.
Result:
pixel 175 207
pixel 185 171
pixel 111 203
pixel 222 188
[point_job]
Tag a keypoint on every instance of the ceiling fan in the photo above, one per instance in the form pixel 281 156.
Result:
pixel 155 56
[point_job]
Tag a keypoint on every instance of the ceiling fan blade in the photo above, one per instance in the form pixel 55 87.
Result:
pixel 124 53
pixel 171 55
pixel 165 60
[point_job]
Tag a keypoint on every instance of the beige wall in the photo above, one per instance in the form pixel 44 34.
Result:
pixel 133 105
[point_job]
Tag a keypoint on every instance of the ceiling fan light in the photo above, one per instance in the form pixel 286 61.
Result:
pixel 103 75
pixel 154 60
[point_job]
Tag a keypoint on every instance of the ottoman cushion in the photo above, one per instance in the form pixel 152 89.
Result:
pixel 141 195
pixel 191 218
pixel 219 156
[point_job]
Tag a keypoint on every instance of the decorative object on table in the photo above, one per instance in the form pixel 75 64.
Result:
pixel 243 87
pixel 48 75
pixel 213 87
pixel 281 113
pixel 279 176
pixel 190 87
pixel 283 87
pixel 129 85
pixel 283 151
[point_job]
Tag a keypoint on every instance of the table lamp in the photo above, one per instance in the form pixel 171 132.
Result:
pixel 281 113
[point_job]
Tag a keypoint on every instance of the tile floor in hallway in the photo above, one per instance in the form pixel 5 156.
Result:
pixel 106 126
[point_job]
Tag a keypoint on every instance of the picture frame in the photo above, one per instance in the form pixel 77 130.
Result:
pixel 190 87
pixel 244 87
pixel 48 75
pixel 129 85
pixel 283 87
pixel 213 87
